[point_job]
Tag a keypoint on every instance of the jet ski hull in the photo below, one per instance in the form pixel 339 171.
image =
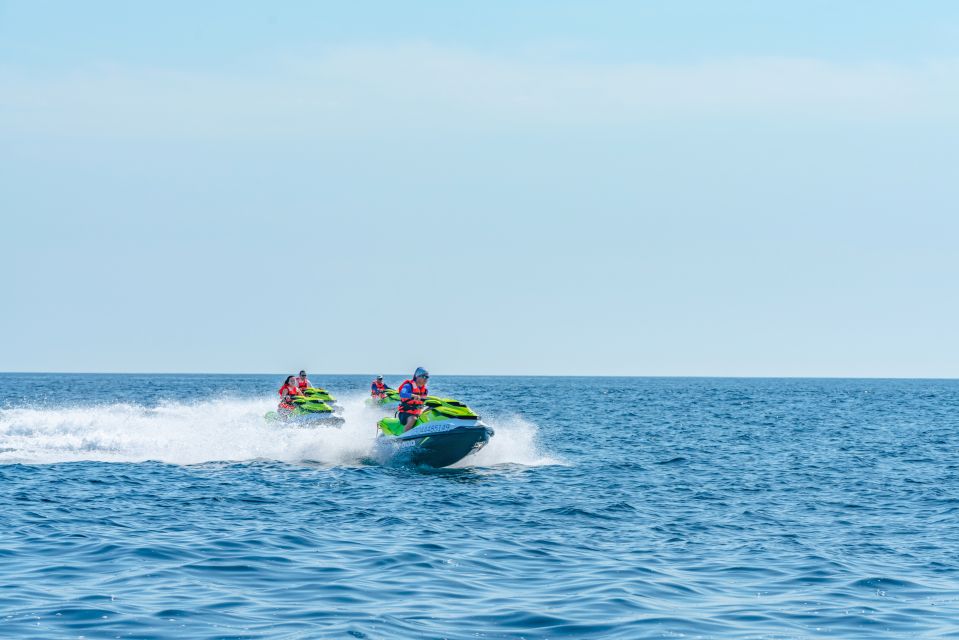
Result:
pixel 305 419
pixel 434 445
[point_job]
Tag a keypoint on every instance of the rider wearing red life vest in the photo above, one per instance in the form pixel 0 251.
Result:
pixel 303 382
pixel 378 389
pixel 412 395
pixel 287 392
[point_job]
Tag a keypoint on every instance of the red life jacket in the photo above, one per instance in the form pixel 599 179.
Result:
pixel 412 405
pixel 378 389
pixel 303 383
pixel 291 390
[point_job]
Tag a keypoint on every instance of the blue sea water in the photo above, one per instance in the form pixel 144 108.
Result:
pixel 160 506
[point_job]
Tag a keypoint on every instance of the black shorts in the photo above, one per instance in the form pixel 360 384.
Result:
pixel 404 417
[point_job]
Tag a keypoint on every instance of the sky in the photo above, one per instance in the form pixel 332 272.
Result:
pixel 675 188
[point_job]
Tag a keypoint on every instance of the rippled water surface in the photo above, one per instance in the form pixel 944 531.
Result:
pixel 165 507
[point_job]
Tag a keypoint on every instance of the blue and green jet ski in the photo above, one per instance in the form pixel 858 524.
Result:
pixel 307 412
pixel 446 432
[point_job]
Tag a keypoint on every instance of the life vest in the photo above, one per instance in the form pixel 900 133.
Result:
pixel 377 389
pixel 291 390
pixel 303 383
pixel 412 405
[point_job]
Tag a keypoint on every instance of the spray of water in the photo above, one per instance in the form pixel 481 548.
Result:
pixel 515 442
pixel 225 429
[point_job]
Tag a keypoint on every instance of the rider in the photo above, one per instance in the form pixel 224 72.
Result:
pixel 303 382
pixel 412 394
pixel 378 389
pixel 287 392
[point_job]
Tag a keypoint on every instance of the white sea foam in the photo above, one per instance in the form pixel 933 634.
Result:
pixel 515 442
pixel 226 429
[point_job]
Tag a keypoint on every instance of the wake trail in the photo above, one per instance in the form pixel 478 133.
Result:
pixel 220 429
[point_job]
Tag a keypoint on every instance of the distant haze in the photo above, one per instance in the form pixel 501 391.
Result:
pixel 546 187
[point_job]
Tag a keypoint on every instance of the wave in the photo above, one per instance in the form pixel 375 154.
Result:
pixel 214 430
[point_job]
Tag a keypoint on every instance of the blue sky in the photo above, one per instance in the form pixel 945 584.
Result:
pixel 623 188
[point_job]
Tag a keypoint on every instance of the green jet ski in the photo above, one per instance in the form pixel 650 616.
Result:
pixel 390 401
pixel 446 432
pixel 308 412
pixel 322 395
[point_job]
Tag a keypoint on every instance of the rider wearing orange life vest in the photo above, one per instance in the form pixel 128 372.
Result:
pixel 287 392
pixel 303 382
pixel 412 394
pixel 378 389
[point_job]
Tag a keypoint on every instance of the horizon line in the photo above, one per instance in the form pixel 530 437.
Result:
pixel 488 375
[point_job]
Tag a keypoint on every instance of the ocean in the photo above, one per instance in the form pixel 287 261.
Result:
pixel 164 506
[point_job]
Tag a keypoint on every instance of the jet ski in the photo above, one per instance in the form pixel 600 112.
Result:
pixel 446 432
pixel 307 412
pixel 322 395
pixel 389 401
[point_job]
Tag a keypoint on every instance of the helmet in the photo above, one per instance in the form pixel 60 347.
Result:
pixel 379 377
pixel 420 371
